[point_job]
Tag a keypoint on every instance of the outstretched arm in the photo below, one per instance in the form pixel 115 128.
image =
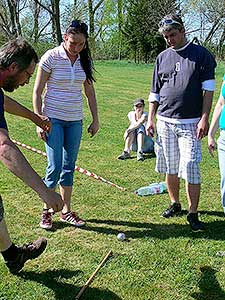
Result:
pixel 15 161
pixel 13 107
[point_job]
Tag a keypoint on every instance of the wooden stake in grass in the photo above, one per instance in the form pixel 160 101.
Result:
pixel 94 274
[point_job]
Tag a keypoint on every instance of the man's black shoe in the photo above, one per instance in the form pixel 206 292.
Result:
pixel 194 222
pixel 28 251
pixel 174 209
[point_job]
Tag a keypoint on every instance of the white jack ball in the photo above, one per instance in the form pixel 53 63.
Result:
pixel 121 236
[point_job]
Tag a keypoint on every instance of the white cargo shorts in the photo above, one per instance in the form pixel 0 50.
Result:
pixel 178 151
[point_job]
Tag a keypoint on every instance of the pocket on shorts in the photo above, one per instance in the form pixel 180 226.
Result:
pixel 192 151
pixel 158 146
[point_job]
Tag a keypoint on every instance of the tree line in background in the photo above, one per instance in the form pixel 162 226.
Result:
pixel 118 29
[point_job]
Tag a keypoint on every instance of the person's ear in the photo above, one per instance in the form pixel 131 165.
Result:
pixel 13 67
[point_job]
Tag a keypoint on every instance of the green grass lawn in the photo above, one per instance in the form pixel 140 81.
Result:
pixel 161 259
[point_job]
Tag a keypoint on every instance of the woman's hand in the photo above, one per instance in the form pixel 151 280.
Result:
pixel 41 133
pixel 42 122
pixel 211 145
pixel 93 128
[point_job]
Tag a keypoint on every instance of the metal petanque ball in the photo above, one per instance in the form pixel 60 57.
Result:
pixel 121 236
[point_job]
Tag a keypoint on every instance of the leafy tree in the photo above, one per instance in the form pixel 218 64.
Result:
pixel 53 8
pixel 10 11
pixel 109 37
pixel 141 30
pixel 208 16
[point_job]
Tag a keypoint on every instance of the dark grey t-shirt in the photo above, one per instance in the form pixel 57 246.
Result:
pixel 178 77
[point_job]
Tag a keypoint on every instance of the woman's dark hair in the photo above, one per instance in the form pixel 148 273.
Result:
pixel 85 55
pixel 18 51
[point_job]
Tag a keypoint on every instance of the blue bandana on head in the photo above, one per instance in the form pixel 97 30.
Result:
pixel 79 24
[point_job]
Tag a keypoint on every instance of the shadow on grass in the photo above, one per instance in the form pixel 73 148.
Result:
pixel 57 225
pixel 149 155
pixel 209 286
pixel 214 230
pixel 146 155
pixel 212 213
pixel 56 281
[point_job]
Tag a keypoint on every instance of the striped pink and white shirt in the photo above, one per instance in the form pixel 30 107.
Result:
pixel 63 94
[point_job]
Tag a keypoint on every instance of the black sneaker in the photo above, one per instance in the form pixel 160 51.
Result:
pixel 124 155
pixel 174 209
pixel 26 252
pixel 194 222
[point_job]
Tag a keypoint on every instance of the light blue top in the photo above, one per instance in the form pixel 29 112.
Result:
pixel 222 116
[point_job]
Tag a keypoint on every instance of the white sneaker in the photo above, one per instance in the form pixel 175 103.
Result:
pixel 140 156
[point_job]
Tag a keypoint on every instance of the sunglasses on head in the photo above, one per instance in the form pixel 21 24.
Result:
pixel 79 24
pixel 166 22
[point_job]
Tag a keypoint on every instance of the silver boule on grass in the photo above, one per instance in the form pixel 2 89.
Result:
pixel 121 236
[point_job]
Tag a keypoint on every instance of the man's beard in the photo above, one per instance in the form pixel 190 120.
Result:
pixel 10 84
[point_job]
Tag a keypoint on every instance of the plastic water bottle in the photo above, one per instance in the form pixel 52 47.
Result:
pixel 152 189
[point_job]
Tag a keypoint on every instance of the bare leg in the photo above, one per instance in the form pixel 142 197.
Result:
pixel 66 192
pixel 140 142
pixel 47 213
pixel 173 185
pixel 71 217
pixel 5 241
pixel 193 195
pixel 128 142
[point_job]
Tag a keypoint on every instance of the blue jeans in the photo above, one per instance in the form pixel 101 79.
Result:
pixel 62 147
pixel 221 156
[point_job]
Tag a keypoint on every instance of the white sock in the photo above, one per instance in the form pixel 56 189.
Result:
pixel 174 201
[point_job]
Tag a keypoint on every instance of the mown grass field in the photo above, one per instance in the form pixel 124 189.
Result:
pixel 161 260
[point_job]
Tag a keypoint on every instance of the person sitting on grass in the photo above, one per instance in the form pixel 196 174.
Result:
pixel 135 135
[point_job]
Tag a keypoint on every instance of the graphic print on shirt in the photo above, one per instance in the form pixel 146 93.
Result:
pixel 177 67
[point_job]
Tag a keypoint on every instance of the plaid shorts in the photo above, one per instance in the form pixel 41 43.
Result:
pixel 178 151
pixel 1 209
